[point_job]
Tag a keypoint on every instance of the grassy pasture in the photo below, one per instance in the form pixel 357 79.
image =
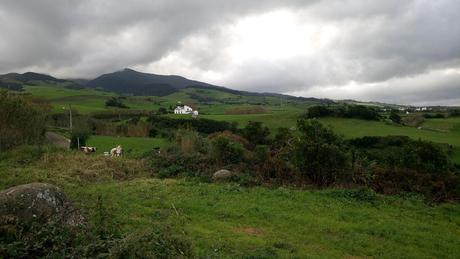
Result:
pixel 131 145
pixel 227 221
pixel 230 221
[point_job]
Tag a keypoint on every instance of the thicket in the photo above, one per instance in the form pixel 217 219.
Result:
pixel 116 102
pixel 22 121
pixel 206 126
pixel 433 116
pixel 315 155
pixel 394 117
pixel 343 111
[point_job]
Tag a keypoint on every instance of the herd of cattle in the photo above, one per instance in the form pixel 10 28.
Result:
pixel 114 152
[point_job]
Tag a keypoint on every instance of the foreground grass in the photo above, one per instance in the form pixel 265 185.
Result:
pixel 230 221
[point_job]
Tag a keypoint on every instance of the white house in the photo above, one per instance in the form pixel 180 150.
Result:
pixel 183 109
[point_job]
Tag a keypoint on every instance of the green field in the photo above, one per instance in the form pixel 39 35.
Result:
pixel 234 222
pixel 278 114
pixel 230 221
pixel 131 145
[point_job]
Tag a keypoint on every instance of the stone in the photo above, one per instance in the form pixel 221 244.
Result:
pixel 222 175
pixel 38 202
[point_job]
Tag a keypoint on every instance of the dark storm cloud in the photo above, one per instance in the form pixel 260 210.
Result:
pixel 67 36
pixel 387 50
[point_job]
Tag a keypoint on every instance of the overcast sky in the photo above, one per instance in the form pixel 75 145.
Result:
pixel 399 51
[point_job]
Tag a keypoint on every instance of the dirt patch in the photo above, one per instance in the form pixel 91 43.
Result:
pixel 250 231
pixel 57 139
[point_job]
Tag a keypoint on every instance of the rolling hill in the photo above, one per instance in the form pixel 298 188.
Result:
pixel 129 81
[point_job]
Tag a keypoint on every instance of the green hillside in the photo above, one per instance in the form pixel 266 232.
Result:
pixel 275 112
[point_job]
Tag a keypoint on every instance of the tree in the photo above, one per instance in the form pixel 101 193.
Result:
pixel 395 117
pixel 318 153
pixel 22 121
pixel 79 137
pixel 226 150
pixel 256 133
pixel 162 110
pixel 116 102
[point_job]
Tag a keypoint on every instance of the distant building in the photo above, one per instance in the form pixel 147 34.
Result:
pixel 183 109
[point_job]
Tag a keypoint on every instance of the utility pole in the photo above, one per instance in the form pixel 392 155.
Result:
pixel 70 117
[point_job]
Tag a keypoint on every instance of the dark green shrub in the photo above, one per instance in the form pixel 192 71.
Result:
pixel 394 117
pixel 319 153
pixel 22 121
pixel 226 150
pixel 256 133
pixel 343 111
pixel 116 102
pixel 153 132
pixel 79 137
pixel 170 171
pixel 201 125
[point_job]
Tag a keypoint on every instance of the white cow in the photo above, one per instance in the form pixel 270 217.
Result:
pixel 116 151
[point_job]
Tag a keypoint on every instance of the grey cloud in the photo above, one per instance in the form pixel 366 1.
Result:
pixel 62 35
pixel 376 42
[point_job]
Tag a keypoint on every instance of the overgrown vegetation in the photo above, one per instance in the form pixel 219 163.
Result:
pixel 315 155
pixel 22 121
pixel 116 102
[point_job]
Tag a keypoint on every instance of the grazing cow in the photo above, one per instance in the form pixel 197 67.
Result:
pixel 88 150
pixel 116 151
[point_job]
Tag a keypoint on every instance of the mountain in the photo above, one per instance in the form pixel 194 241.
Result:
pixel 129 81
pixel 29 77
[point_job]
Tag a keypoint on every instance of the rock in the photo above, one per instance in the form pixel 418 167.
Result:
pixel 222 175
pixel 39 202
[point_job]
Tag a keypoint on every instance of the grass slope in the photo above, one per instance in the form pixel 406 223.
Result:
pixel 230 221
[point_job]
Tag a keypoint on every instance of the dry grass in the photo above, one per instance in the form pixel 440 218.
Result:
pixel 92 168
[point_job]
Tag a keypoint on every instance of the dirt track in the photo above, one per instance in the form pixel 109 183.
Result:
pixel 57 139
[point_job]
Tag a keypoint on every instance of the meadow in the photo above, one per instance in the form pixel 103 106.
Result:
pixel 230 221
pixel 131 145
pixel 277 114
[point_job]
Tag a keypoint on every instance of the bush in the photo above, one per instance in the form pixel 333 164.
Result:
pixel 116 102
pixel 226 151
pixel 282 138
pixel 256 133
pixel 21 121
pixel 394 117
pixel 79 137
pixel 201 125
pixel 433 116
pixel 170 171
pixel 343 111
pixel 319 153
pixel 405 165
